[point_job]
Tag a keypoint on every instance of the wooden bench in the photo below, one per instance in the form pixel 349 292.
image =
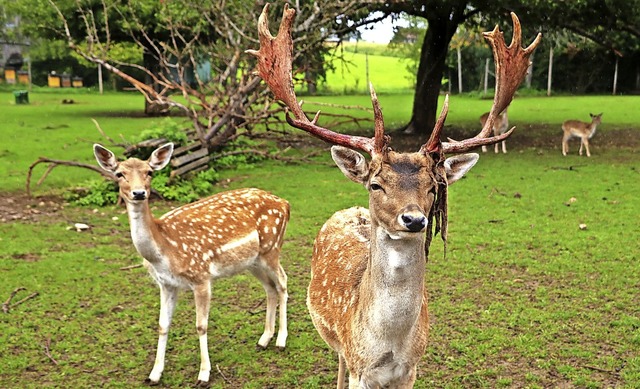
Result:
pixel 190 158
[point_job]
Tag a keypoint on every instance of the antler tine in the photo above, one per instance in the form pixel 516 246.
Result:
pixel 380 140
pixel 275 68
pixel 511 64
pixel 433 144
pixel 274 71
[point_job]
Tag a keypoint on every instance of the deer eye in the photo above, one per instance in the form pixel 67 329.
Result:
pixel 375 186
pixel 119 175
pixel 150 173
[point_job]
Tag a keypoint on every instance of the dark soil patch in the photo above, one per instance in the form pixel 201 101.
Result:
pixel 22 208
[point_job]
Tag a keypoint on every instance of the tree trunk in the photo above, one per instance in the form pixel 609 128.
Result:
pixel 529 75
pixel 311 79
pixel 430 70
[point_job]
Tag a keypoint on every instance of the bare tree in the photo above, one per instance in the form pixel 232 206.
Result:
pixel 192 56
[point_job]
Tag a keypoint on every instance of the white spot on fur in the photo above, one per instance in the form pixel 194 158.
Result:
pixel 253 236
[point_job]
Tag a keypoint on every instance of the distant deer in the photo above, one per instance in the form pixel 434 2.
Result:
pixel 582 130
pixel 190 246
pixel 500 126
pixel 367 296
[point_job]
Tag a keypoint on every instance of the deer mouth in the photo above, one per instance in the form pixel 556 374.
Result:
pixel 400 234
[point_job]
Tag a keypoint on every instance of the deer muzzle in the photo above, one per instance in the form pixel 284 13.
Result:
pixel 413 219
pixel 139 194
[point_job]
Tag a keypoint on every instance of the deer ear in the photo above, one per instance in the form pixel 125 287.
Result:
pixel 353 165
pixel 458 165
pixel 161 156
pixel 106 159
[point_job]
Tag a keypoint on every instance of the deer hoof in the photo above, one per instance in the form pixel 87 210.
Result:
pixel 149 382
pixel 203 384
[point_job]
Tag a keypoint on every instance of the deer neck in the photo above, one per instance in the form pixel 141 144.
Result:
pixel 592 128
pixel 393 285
pixel 144 230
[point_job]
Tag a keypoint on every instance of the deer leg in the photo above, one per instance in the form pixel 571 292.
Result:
pixel 586 146
pixel 283 296
pixel 168 299
pixel 484 149
pixel 342 367
pixel 565 144
pixel 411 379
pixel 355 383
pixel 274 285
pixel 504 146
pixel 272 300
pixel 581 146
pixel 202 296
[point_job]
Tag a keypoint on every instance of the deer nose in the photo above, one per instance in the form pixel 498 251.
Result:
pixel 139 194
pixel 413 219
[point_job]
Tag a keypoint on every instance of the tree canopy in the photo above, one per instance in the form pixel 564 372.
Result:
pixel 177 41
pixel 612 24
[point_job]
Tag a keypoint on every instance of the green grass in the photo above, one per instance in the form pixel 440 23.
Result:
pixel 47 127
pixel 387 74
pixel 523 298
pixel 465 111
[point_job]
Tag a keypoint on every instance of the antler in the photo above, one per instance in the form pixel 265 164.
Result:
pixel 274 66
pixel 511 65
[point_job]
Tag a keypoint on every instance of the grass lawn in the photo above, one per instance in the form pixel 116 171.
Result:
pixel 388 75
pixel 47 127
pixel 523 298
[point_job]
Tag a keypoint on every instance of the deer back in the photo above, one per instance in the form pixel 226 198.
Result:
pixel 580 128
pixel 217 236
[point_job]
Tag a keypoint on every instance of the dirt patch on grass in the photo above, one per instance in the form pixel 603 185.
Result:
pixel 20 207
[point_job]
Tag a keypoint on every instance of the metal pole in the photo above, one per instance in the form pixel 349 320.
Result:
pixel 486 76
pixel 615 77
pixel 100 78
pixel 550 72
pixel 459 69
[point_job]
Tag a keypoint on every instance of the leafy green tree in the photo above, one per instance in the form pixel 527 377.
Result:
pixel 612 24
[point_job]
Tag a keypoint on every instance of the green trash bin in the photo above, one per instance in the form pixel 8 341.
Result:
pixel 22 96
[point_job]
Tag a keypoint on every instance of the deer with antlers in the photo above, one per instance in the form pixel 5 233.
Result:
pixel 367 295
pixel 190 246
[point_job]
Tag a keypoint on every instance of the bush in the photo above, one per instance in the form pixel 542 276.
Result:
pixel 184 189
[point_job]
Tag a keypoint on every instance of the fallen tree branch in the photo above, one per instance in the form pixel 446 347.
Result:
pixel 102 132
pixel 252 311
pixel 569 168
pixel 612 372
pixel 47 350
pixel 56 162
pixel 131 267
pixel 29 297
pixel 6 306
pixel 222 375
